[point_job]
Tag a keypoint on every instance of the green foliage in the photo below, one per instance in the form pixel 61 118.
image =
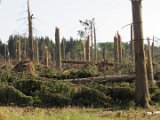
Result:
pixel 90 98
pixel 121 95
pixel 155 96
pixel 46 72
pixel 82 74
pixel 54 100
pixel 10 95
pixel 29 87
pixel 127 67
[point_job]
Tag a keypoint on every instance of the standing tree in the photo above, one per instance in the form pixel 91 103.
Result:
pixel 149 64
pixel 142 96
pixel 132 45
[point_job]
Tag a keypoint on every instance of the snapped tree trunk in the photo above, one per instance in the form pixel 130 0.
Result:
pixel 142 96
pixel 30 31
pixel 58 49
pixel 116 51
pixel 119 47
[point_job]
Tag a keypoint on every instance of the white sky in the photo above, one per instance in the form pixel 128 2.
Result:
pixel 110 16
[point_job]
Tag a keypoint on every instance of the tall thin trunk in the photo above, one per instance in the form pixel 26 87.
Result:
pixel 19 50
pixel 58 49
pixel 30 31
pixel 46 56
pixel 84 52
pixel 87 46
pixel 95 44
pixel 119 47
pixel 63 49
pixel 91 48
pixel 142 96
pixel 37 52
pixel 149 63
pixel 132 45
pixel 116 51
pixel 153 49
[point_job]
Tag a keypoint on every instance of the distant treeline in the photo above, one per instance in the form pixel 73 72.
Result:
pixel 71 46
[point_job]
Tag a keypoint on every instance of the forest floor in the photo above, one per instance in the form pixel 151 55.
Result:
pixel 31 113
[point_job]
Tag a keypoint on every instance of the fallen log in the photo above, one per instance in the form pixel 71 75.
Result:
pixel 106 79
pixel 86 62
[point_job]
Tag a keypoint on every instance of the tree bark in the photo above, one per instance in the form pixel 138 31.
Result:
pixel 149 64
pixel 142 96
pixel 132 45
pixel 30 31
pixel 87 46
pixel 116 51
pixel 58 50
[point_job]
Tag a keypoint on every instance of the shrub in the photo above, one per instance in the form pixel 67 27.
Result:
pixel 48 72
pixel 121 95
pixel 11 95
pixel 82 74
pixel 90 98
pixel 28 87
pixel 54 100
pixel 155 97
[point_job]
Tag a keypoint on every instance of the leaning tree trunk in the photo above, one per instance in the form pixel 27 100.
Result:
pixel 142 96
pixel 58 50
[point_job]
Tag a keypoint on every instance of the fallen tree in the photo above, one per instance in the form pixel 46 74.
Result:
pixel 106 79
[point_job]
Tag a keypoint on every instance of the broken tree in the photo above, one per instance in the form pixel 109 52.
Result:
pixel 58 49
pixel 30 31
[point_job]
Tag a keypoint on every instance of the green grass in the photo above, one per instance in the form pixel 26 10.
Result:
pixel 29 113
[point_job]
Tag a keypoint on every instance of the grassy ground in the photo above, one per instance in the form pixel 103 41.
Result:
pixel 15 113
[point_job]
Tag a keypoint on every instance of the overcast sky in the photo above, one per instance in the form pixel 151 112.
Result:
pixel 110 16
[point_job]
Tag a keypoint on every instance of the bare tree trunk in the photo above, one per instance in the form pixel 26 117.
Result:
pixel 104 54
pixel 30 31
pixel 18 50
pixel 153 49
pixel 149 64
pixel 116 51
pixel 46 56
pixel 63 49
pixel 5 53
pixel 132 45
pixel 95 44
pixel 119 47
pixel 142 96
pixel 87 46
pixel 84 52
pixel 91 47
pixel 58 49
pixel 37 52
